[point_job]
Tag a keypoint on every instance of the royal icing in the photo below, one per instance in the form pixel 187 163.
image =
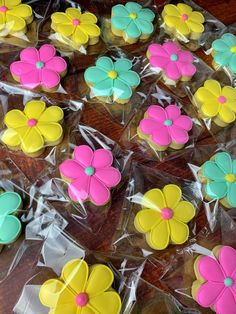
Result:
pixel 169 57
pixel 78 27
pixel 183 19
pixel 91 175
pixel 164 217
pixel 14 16
pixel 221 178
pixel 39 67
pixel 224 51
pixel 216 284
pixel 35 127
pixel 112 79
pixel 85 289
pixel 10 225
pixel 166 125
pixel 217 101
pixel 132 19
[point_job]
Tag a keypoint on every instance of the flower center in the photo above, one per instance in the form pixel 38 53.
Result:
pixel 228 282
pixel 3 9
pixel 133 16
pixel 230 177
pixel 166 213
pixel 233 49
pixel 222 99
pixel 39 65
pixel 76 22
pixel 32 122
pixel 184 17
pixel 112 74
pixel 168 122
pixel 82 299
pixel 173 57
pixel 89 171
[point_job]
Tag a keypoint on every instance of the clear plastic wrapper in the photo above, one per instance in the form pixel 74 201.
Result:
pixel 140 136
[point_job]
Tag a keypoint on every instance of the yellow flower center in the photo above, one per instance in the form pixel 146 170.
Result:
pixel 233 49
pixel 133 16
pixel 230 177
pixel 112 74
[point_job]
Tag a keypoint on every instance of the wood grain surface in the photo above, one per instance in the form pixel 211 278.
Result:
pixel 10 288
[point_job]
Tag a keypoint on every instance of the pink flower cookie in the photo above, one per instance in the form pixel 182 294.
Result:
pixel 176 64
pixel 90 175
pixel 215 286
pixel 165 127
pixel 39 68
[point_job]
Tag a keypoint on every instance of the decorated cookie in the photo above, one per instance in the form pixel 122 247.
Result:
pixel 215 287
pixel 181 21
pixel 14 17
pixel 132 22
pixel 219 178
pixel 39 68
pixel 216 102
pixel 10 225
pixel 81 289
pixel 90 175
pixel 165 127
pixel 164 217
pixel 176 64
pixel 34 128
pixel 224 52
pixel 110 80
pixel 73 26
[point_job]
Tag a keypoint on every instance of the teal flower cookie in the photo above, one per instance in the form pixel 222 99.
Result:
pixel 224 51
pixel 113 80
pixel 220 173
pixel 132 21
pixel 10 226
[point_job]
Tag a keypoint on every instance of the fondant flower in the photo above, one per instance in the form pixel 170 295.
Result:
pixel 81 290
pixel 14 16
pixel 133 19
pixel 75 25
pixel 10 226
pixel 224 51
pixel 183 19
pixel 34 128
pixel 90 175
pixel 221 176
pixel 164 216
pixel 39 67
pixel 165 126
pixel 175 62
pixel 216 284
pixel 110 79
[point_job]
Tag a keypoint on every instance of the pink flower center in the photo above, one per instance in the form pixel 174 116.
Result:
pixel 32 122
pixel 166 213
pixel 76 22
pixel 82 299
pixel 173 57
pixel 184 17
pixel 3 9
pixel 39 65
pixel 222 99
pixel 89 171
pixel 228 282
pixel 168 122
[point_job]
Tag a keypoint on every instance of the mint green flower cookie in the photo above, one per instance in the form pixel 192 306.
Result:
pixel 10 226
pixel 220 175
pixel 112 80
pixel 132 22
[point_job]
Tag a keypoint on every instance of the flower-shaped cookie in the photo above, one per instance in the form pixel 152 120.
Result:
pixel 182 19
pixel 164 217
pixel 132 21
pixel 39 68
pixel 90 175
pixel 177 64
pixel 217 102
pixel 14 16
pixel 220 174
pixel 80 28
pixel 81 289
pixel 224 51
pixel 114 80
pixel 10 226
pixel 34 128
pixel 215 286
pixel 164 127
